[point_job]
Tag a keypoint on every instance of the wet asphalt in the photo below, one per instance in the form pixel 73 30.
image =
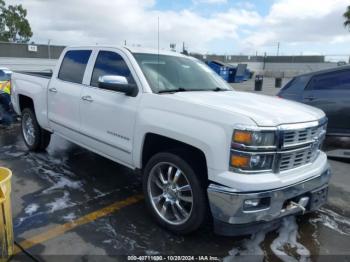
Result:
pixel 67 182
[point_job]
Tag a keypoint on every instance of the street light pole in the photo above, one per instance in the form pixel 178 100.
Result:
pixel 48 46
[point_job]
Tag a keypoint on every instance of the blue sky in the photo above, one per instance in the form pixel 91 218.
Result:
pixel 204 8
pixel 206 26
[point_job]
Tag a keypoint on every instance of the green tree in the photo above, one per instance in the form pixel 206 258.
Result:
pixel 14 26
pixel 347 17
pixel 2 21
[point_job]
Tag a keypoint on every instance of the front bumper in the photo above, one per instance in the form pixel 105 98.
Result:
pixel 231 217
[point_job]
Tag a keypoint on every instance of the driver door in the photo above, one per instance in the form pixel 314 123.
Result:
pixel 108 117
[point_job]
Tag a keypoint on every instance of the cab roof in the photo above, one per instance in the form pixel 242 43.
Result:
pixel 134 50
pixel 333 69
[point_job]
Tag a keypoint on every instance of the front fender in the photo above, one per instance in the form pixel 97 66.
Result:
pixel 210 138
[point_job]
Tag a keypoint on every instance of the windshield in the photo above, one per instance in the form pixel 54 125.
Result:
pixel 166 73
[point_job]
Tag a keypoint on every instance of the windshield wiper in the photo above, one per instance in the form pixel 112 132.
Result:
pixel 180 89
pixel 218 89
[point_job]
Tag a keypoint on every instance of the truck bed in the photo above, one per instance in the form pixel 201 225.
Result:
pixel 46 74
pixel 31 85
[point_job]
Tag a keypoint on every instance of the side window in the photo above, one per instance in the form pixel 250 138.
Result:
pixel 331 81
pixel 73 66
pixel 297 84
pixel 110 63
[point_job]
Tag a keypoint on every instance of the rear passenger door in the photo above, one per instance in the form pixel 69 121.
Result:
pixel 64 93
pixel 331 93
pixel 108 117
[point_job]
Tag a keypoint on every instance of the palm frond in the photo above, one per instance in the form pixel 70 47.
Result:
pixel 346 15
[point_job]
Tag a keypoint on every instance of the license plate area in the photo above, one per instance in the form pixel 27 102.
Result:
pixel 318 197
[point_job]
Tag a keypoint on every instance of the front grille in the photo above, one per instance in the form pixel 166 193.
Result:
pixel 306 143
pixel 296 145
pixel 297 158
pixel 302 136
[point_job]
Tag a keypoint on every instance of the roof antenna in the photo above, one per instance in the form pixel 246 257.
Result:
pixel 158 58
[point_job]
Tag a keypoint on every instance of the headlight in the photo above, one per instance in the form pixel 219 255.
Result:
pixel 251 162
pixel 253 151
pixel 253 138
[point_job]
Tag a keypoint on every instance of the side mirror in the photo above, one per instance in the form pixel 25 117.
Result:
pixel 117 83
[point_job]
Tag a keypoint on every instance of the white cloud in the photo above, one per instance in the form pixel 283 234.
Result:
pixel 112 22
pixel 301 22
pixel 294 23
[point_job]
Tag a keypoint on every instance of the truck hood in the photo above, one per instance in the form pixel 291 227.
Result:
pixel 263 110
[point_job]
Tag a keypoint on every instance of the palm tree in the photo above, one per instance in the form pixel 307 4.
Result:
pixel 347 17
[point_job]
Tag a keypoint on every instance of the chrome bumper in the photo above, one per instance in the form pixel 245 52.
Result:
pixel 228 208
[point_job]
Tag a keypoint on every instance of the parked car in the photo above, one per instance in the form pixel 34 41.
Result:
pixel 204 149
pixel 328 90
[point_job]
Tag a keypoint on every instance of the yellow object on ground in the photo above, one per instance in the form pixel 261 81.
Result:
pixel 6 228
pixel 5 87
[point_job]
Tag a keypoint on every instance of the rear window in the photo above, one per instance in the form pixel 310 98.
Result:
pixel 73 66
pixel 338 80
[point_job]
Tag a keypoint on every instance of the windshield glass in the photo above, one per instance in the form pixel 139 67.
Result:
pixel 166 73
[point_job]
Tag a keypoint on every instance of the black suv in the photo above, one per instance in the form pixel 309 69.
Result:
pixel 328 90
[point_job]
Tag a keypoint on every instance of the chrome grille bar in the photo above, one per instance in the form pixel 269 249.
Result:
pixel 307 141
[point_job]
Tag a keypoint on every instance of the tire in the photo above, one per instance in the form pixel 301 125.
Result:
pixel 174 198
pixel 35 138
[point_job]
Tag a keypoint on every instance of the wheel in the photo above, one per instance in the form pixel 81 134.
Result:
pixel 174 194
pixel 36 138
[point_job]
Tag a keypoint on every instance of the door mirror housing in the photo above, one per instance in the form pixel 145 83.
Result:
pixel 117 83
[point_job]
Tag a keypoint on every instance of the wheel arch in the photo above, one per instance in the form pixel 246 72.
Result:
pixel 155 143
pixel 25 102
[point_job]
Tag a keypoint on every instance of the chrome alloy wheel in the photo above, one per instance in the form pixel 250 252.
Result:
pixel 28 129
pixel 170 193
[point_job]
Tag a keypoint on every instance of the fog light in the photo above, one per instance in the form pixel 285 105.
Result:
pixel 256 204
pixel 251 203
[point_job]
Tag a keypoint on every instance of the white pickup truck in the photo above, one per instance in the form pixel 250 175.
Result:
pixel 207 152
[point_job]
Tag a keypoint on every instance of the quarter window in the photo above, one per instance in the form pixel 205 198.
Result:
pixel 73 66
pixel 110 63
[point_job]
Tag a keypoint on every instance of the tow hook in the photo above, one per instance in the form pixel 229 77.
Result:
pixel 302 203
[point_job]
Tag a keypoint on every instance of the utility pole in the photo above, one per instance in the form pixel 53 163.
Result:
pixel 48 48
pixel 278 48
pixel 125 42
pixel 184 51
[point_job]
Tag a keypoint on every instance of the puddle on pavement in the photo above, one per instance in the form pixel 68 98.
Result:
pixel 285 243
pixel 332 220
pixel 295 240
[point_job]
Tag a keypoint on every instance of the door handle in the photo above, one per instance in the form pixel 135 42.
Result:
pixel 87 98
pixel 53 90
